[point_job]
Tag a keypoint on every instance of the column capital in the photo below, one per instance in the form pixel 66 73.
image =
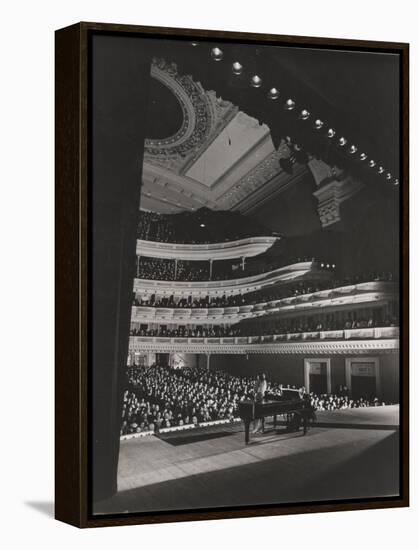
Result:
pixel 334 188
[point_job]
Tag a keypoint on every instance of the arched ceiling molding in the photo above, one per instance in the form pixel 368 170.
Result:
pixel 204 117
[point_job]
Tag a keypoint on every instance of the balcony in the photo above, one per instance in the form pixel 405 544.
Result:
pixel 357 341
pixel 239 285
pixel 242 248
pixel 334 299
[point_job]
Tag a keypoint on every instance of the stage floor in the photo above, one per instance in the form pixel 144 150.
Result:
pixel 346 455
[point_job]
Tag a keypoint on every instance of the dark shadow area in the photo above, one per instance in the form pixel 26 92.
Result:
pixel 280 435
pixel 186 438
pixel 45 507
pixel 301 477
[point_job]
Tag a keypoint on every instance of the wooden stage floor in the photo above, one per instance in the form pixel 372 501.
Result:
pixel 348 455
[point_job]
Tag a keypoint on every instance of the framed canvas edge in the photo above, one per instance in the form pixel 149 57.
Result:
pixel 71 176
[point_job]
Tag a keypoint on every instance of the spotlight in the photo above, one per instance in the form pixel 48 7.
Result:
pixel 217 54
pixel 256 81
pixel 396 182
pixel 289 105
pixel 304 114
pixel 237 68
pixel 328 266
pixel 194 44
pixel 342 141
pixel 331 133
pixel 273 93
pixel 318 124
pixel 333 266
pixel 353 149
pixel 321 265
pixel 371 163
pixel 388 176
pixel 202 225
pixel 380 169
pixel 363 156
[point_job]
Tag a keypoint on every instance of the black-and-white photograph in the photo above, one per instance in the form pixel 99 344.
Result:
pixel 253 358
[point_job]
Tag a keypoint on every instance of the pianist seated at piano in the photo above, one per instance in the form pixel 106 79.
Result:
pixel 261 387
pixel 294 404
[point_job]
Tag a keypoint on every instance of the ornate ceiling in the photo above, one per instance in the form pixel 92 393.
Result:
pixel 219 157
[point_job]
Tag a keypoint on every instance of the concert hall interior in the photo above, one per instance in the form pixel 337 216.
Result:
pixel 267 242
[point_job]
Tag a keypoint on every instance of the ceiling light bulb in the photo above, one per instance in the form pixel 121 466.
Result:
pixel 289 104
pixel 256 81
pixel 273 93
pixel 217 54
pixel 305 114
pixel 237 68
pixel 342 141
pixel 353 149
pixel 318 124
pixel 363 156
pixel 331 133
pixel 371 163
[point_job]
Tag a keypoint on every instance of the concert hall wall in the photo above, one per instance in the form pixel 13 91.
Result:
pixel 288 369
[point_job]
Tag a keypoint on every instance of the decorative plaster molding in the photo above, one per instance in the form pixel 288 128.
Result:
pixel 323 173
pixel 332 195
pixel 204 117
pixel 334 187
pixel 315 304
pixel 242 248
pixel 357 347
pixel 230 286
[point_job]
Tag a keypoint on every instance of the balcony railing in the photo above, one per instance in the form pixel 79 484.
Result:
pixel 376 333
pixel 241 284
pixel 241 248
pixel 355 296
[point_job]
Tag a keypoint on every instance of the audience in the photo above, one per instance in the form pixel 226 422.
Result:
pixel 330 322
pixel 185 270
pixel 295 327
pixel 162 397
pixel 163 269
pixel 212 331
pixel 264 295
pixel 201 227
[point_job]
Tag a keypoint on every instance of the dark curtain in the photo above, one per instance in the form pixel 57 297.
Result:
pixel 119 95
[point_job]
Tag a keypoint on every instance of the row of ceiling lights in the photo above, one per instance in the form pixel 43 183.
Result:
pixel 273 94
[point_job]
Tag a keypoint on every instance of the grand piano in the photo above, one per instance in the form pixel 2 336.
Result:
pixel 291 404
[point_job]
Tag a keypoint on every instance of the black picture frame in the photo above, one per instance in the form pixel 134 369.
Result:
pixel 75 235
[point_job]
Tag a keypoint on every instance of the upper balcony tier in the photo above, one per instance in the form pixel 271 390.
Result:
pixel 237 249
pixel 240 285
pixel 198 227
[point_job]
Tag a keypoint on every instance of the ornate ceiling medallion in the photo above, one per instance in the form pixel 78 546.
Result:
pixel 204 116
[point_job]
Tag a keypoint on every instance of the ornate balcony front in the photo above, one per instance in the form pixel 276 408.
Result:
pixel 374 293
pixel 242 248
pixel 229 286
pixel 352 341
